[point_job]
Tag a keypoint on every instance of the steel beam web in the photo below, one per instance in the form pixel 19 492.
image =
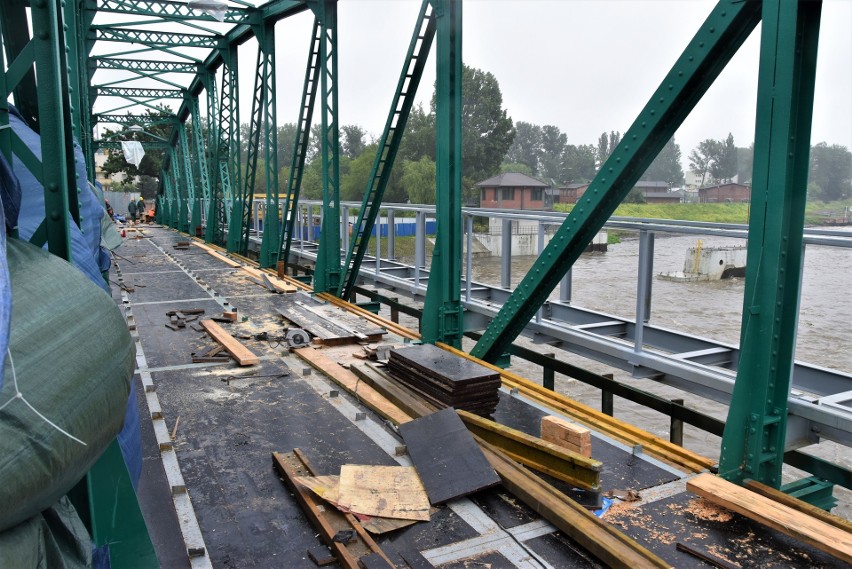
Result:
pixel 300 145
pixel 406 89
pixel 269 243
pixel 442 309
pixel 327 275
pixel 754 439
pixel 716 41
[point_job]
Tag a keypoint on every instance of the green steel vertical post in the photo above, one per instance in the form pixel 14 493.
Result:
pixel 188 180
pixel 327 275
pixel 57 151
pixel 201 149
pixel 300 145
pixel 225 166
pixel 754 438
pixel 717 40
pixel 213 200
pixel 271 227
pixel 442 309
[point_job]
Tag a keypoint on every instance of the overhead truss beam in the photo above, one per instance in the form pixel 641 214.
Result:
pixel 144 65
pixel 177 11
pixel 155 39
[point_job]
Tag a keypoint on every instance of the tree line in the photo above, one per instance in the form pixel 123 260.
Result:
pixel 493 143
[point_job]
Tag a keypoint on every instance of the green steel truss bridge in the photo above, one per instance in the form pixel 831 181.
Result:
pixel 171 51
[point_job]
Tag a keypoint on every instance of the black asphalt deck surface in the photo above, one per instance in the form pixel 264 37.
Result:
pixel 232 419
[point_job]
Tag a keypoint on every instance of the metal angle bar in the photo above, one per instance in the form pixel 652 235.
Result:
pixel 300 145
pixel 144 65
pixel 753 444
pixel 406 89
pixel 716 41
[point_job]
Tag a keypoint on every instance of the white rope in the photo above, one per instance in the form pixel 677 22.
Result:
pixel 19 395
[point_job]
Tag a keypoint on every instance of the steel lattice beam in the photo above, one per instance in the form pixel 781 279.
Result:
pixel 176 11
pixel 139 92
pixel 130 119
pixel 144 65
pixel 155 39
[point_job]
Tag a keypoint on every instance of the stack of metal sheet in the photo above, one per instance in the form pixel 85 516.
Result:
pixel 446 379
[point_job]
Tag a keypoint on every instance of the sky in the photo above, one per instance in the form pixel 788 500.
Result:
pixel 584 66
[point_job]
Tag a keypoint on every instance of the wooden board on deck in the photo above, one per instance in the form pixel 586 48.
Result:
pixel 386 491
pixel 243 355
pixel 828 538
pixel 449 461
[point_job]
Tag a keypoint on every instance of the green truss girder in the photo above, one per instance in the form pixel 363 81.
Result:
pixel 113 145
pixel 175 11
pixel 140 92
pixel 716 41
pixel 406 89
pixel 20 57
pixel 146 65
pixel 188 177
pixel 442 310
pixel 200 161
pixel 226 169
pixel 327 274
pixel 131 119
pixel 155 39
pixel 753 443
pixel 300 145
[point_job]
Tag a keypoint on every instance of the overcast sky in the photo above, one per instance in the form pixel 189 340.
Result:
pixel 584 66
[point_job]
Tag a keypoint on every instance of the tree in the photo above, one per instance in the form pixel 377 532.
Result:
pixel 724 165
pixel 526 147
pixel 418 179
pixel 151 164
pixel 614 139
pixel 354 183
pixel 666 166
pixel 515 167
pixel 578 163
pixel 553 143
pixel 745 164
pixel 419 137
pixel 831 171
pixel 602 149
pixel 286 142
pixel 702 158
pixel 353 140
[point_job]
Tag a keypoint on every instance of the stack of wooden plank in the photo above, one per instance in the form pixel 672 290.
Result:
pixel 446 379
pixel 328 324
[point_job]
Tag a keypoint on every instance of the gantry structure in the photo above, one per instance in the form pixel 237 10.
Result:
pixel 152 46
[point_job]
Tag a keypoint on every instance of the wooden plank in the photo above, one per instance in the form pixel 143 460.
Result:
pixel 327 520
pixel 826 537
pixel 602 540
pixel 562 464
pixel 560 432
pixel 243 355
pixel 386 491
pixel 350 382
pixel 395 392
pixel 798 505
pixel 446 456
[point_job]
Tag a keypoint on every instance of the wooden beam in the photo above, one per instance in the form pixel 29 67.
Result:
pixel 828 538
pixel 243 355
pixel 546 457
pixel 560 432
pixel 350 382
pixel 798 505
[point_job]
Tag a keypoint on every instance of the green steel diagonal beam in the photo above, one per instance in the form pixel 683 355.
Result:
pixel 753 443
pixel 175 11
pixel 442 310
pixel 154 49
pixel 327 274
pixel 716 41
pixel 154 39
pixel 300 145
pixel 406 89
pixel 137 75
pixel 145 65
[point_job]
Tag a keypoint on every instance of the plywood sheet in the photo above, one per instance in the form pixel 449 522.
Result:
pixel 449 461
pixel 386 491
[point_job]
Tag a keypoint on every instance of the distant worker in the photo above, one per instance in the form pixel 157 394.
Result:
pixel 131 210
pixel 140 209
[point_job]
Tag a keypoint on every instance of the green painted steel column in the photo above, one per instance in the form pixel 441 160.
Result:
pixel 200 152
pixel 754 438
pixel 194 212
pixel 717 40
pixel 271 226
pixel 442 309
pixel 327 275
pixel 225 167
